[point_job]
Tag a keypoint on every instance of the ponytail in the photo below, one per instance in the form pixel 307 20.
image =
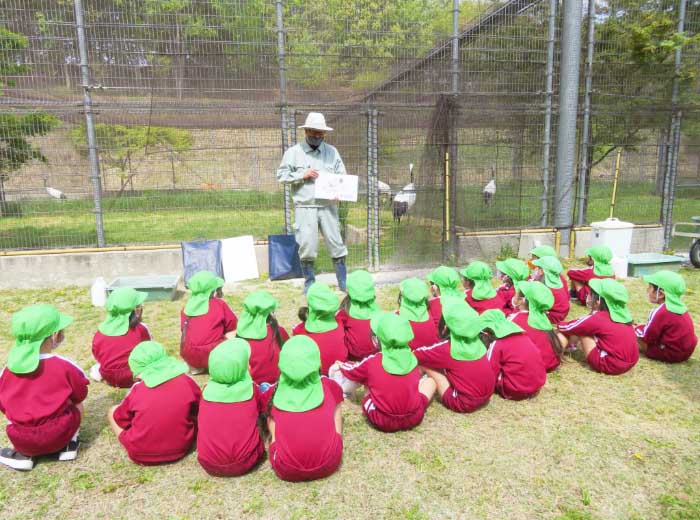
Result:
pixel 555 343
pixel 134 319
pixel 303 313
pixel 274 325
pixel 443 330
pixel 345 304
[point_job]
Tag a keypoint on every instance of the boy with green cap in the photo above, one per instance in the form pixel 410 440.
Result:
pixel 356 310
pixel 510 271
pixel 413 305
pixel 669 334
pixel 458 364
pixel 548 270
pixel 205 320
pixel 598 259
pixel 396 397
pixel 304 419
pixel 322 326
pixel 444 282
pixel 40 392
pixel 515 360
pixel 228 440
pixel 117 336
pixel 606 335
pixel 480 294
pixel 533 301
pixel 157 420
pixel 265 336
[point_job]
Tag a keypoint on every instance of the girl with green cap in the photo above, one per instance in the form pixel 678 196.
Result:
pixel 41 394
pixel 669 334
pixel 598 260
pixel 157 420
pixel 510 271
pixel 396 397
pixel 205 320
pixel 413 305
pixel 458 364
pixel 304 415
pixel 322 325
pixel 356 311
pixel 515 360
pixel 117 336
pixel 606 335
pixel 480 294
pixel 228 440
pixel 444 282
pixel 548 270
pixel 265 336
pixel 533 301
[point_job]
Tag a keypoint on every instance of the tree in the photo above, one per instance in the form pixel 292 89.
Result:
pixel 15 129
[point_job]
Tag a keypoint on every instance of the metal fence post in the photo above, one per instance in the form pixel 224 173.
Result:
pixel 89 123
pixel 454 137
pixel 549 94
pixel 566 135
pixel 370 170
pixel 375 186
pixel 283 107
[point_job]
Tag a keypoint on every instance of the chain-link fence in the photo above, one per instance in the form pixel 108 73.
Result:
pixel 449 117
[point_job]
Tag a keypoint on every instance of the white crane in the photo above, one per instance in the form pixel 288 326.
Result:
pixel 489 191
pixel 53 192
pixel 405 199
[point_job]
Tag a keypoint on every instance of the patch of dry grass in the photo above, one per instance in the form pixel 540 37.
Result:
pixel 588 446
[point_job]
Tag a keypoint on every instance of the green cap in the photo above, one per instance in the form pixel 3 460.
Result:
pixel 202 285
pixel 229 379
pixel 465 325
pixel 394 332
pixel 514 268
pixel 480 274
pixel 414 300
pixel 673 286
pixel 323 304
pixel 540 300
pixel 30 327
pixel 552 268
pixel 257 307
pixel 363 304
pixel 615 296
pixel 152 365
pixel 497 322
pixel 542 251
pixel 299 388
pixel 120 305
pixel 447 279
pixel 601 256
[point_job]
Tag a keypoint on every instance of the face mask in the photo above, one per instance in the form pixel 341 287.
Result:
pixel 314 142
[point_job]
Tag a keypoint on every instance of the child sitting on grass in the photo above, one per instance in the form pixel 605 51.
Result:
pixel 355 313
pixel 228 440
pixel 304 415
pixel 510 272
pixel 480 294
pixel 396 397
pixel 413 305
pixel 265 336
pixel 548 271
pixel 669 334
pixel 40 392
pixel 444 282
pixel 606 335
pixel 117 336
pixel 205 320
pixel 157 420
pixel 598 259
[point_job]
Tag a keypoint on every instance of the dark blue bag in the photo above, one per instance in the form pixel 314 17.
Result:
pixel 201 255
pixel 283 255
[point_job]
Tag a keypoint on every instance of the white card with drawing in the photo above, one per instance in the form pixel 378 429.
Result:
pixel 331 186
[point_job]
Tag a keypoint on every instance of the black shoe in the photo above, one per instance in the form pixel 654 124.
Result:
pixel 15 460
pixel 70 452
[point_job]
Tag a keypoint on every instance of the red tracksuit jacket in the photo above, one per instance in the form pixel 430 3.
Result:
pixel 112 353
pixel 669 337
pixel 584 275
pixel 206 332
pixel 517 366
pixel 358 339
pixel 331 344
pixel 483 305
pixel 562 304
pixel 265 356
pixel 540 338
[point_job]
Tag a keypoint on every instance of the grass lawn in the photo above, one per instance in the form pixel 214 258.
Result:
pixel 588 446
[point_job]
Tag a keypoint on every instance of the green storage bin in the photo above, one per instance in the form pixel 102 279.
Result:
pixel 642 264
pixel 158 287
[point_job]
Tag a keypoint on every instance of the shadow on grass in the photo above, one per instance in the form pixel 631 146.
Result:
pixel 684 376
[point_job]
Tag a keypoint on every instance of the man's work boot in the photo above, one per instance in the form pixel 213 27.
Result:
pixel 341 272
pixel 307 270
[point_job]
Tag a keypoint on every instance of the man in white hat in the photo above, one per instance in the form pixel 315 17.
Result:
pixel 301 165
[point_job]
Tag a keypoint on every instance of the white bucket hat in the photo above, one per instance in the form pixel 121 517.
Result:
pixel 316 121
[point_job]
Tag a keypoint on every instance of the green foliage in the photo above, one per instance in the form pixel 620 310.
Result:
pixel 10 44
pixel 15 150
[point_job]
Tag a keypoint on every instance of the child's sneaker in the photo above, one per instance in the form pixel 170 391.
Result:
pixel 70 452
pixel 197 371
pixel 15 460
pixel 95 372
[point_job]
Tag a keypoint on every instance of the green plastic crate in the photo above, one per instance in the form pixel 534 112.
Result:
pixel 158 287
pixel 642 264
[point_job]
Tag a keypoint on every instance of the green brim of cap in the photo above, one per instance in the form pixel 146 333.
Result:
pixel 23 357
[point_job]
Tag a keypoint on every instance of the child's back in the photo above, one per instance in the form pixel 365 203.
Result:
pixel 669 336
pixel 517 365
pixel 112 353
pixel 540 338
pixel 331 344
pixel 204 332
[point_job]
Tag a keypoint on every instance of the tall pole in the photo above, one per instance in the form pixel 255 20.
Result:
pixel 89 122
pixel 453 136
pixel 566 135
pixel 375 183
pixel 370 174
pixel 283 107
pixel 549 94
pixel 586 137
